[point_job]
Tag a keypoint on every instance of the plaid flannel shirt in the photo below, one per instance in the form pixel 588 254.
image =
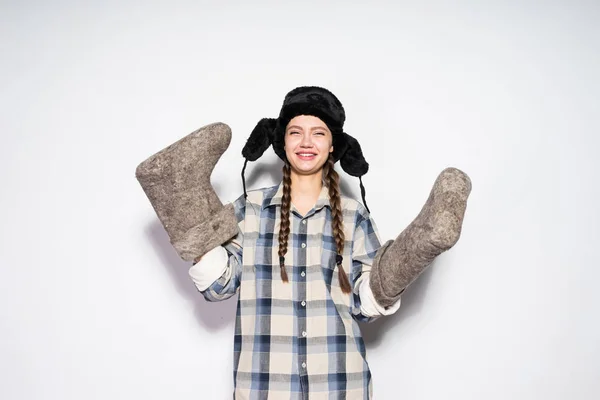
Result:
pixel 298 340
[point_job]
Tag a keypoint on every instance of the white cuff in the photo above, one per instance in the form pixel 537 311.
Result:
pixel 368 304
pixel 210 268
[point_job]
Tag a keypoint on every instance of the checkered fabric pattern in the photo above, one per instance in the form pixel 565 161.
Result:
pixel 298 340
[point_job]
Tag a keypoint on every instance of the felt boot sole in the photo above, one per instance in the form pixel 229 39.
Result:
pixel 176 180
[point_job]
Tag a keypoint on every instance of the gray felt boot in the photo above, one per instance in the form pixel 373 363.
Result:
pixel 436 229
pixel 177 183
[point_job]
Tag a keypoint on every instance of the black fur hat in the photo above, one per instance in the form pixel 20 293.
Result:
pixel 318 102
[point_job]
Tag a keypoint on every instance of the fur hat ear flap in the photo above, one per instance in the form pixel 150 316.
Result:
pixel 353 161
pixel 260 139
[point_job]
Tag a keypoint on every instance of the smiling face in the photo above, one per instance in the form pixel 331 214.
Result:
pixel 308 143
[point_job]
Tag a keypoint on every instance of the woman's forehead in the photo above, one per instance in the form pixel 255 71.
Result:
pixel 307 122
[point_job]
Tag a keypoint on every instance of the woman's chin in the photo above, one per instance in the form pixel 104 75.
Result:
pixel 307 167
pixel 307 170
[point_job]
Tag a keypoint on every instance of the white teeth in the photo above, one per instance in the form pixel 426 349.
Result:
pixel 306 155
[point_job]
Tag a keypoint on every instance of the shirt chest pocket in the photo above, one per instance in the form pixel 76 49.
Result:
pixel 265 253
pixel 330 272
pixel 269 284
pixel 328 253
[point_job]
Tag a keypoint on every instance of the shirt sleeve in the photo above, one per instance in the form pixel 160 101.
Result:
pixel 366 242
pixel 218 273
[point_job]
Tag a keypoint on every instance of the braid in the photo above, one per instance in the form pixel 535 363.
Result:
pixel 284 228
pixel 333 182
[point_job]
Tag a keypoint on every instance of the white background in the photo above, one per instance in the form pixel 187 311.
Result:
pixel 95 303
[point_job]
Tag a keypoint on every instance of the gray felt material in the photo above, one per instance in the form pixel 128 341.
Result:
pixel 177 183
pixel 436 229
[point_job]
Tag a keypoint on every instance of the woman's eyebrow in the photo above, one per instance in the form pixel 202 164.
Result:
pixel 312 129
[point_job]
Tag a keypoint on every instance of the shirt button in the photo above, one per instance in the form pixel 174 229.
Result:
pixel 302 273
pixel 303 245
pixel 303 365
pixel 303 303
pixel 304 221
pixel 303 334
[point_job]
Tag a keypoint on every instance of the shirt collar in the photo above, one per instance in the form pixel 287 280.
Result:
pixel 275 199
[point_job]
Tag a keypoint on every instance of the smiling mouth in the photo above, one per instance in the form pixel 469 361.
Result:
pixel 306 156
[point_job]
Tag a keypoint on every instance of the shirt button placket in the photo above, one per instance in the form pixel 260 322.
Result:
pixel 302 298
pixel 303 230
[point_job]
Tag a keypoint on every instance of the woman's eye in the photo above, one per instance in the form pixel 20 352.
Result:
pixel 294 133
pixel 320 133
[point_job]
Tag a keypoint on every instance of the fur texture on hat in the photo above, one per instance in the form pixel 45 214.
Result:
pixel 318 102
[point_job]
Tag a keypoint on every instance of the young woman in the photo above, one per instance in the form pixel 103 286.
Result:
pixel 300 262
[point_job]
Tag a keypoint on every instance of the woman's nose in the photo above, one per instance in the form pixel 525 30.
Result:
pixel 306 141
